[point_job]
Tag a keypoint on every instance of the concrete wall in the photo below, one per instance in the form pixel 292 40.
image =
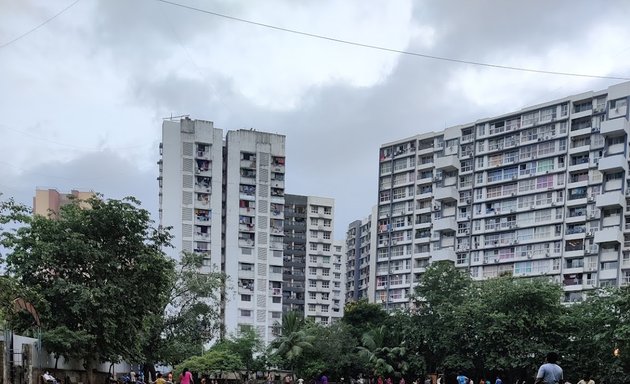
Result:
pixel 29 364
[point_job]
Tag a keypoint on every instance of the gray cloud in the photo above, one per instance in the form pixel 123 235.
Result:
pixel 165 60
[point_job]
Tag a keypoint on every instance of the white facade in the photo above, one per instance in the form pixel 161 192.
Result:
pixel 538 192
pixel 225 199
pixel 324 291
pixel 254 230
pixel 191 179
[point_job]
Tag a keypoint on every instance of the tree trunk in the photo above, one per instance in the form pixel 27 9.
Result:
pixel 89 370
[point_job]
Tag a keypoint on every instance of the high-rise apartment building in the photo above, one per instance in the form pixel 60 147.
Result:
pixel 48 201
pixel 537 192
pixel 360 248
pixel 313 263
pixel 225 200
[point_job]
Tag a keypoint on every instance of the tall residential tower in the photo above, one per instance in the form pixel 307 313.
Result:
pixel 537 192
pixel 224 198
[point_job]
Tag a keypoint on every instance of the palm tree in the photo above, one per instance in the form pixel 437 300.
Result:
pixel 382 359
pixel 292 342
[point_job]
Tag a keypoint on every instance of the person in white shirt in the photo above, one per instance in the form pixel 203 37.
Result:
pixel 550 372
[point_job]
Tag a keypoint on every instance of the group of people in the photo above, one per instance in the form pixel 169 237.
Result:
pixel 548 373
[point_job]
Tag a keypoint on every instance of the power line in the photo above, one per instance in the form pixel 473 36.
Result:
pixel 381 48
pixel 39 26
pixel 47 140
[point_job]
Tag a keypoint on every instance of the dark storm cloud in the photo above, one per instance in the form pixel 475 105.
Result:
pixel 334 134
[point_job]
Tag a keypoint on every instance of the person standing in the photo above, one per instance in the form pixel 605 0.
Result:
pixel 498 380
pixel 324 379
pixel 160 379
pixel 186 377
pixel 550 372
pixel 462 379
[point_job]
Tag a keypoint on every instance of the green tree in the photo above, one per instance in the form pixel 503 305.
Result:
pixel 598 327
pixel 188 318
pixel 382 358
pixel 514 339
pixel 334 352
pixel 293 342
pixel 362 316
pixel 248 346
pixel 100 271
pixel 443 318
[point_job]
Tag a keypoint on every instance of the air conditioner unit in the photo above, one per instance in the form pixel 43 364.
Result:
pixel 496 260
pixel 514 177
pixel 436 207
pixel 547 254
pixel 590 198
pixel 515 242
pixel 467 201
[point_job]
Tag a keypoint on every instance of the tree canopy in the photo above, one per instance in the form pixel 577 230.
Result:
pixel 100 271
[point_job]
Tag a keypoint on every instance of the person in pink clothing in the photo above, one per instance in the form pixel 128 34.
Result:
pixel 186 377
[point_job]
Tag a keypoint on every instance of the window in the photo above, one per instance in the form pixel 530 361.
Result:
pixel 544 165
pixel 314 209
pixel 246 297
pixel 312 283
pixel 325 284
pixel 326 247
pixel 313 246
pixel 544 181
pixel 327 235
pixel 246 312
pixel 311 307
pixel 246 267
pixel 312 295
pixel 276 299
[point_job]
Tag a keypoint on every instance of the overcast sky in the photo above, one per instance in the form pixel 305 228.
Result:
pixel 83 97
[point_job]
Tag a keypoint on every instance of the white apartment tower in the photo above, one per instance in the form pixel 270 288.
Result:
pixel 360 258
pixel 537 192
pixel 313 263
pixel 225 199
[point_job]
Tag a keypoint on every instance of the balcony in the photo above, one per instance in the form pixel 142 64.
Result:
pixel 614 163
pixel 611 199
pixel 251 164
pixel 449 163
pixel 444 254
pixel 203 236
pixel 618 111
pixel 615 127
pixel 277 184
pixel 203 168
pixel 446 193
pixel 444 224
pixel 608 235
